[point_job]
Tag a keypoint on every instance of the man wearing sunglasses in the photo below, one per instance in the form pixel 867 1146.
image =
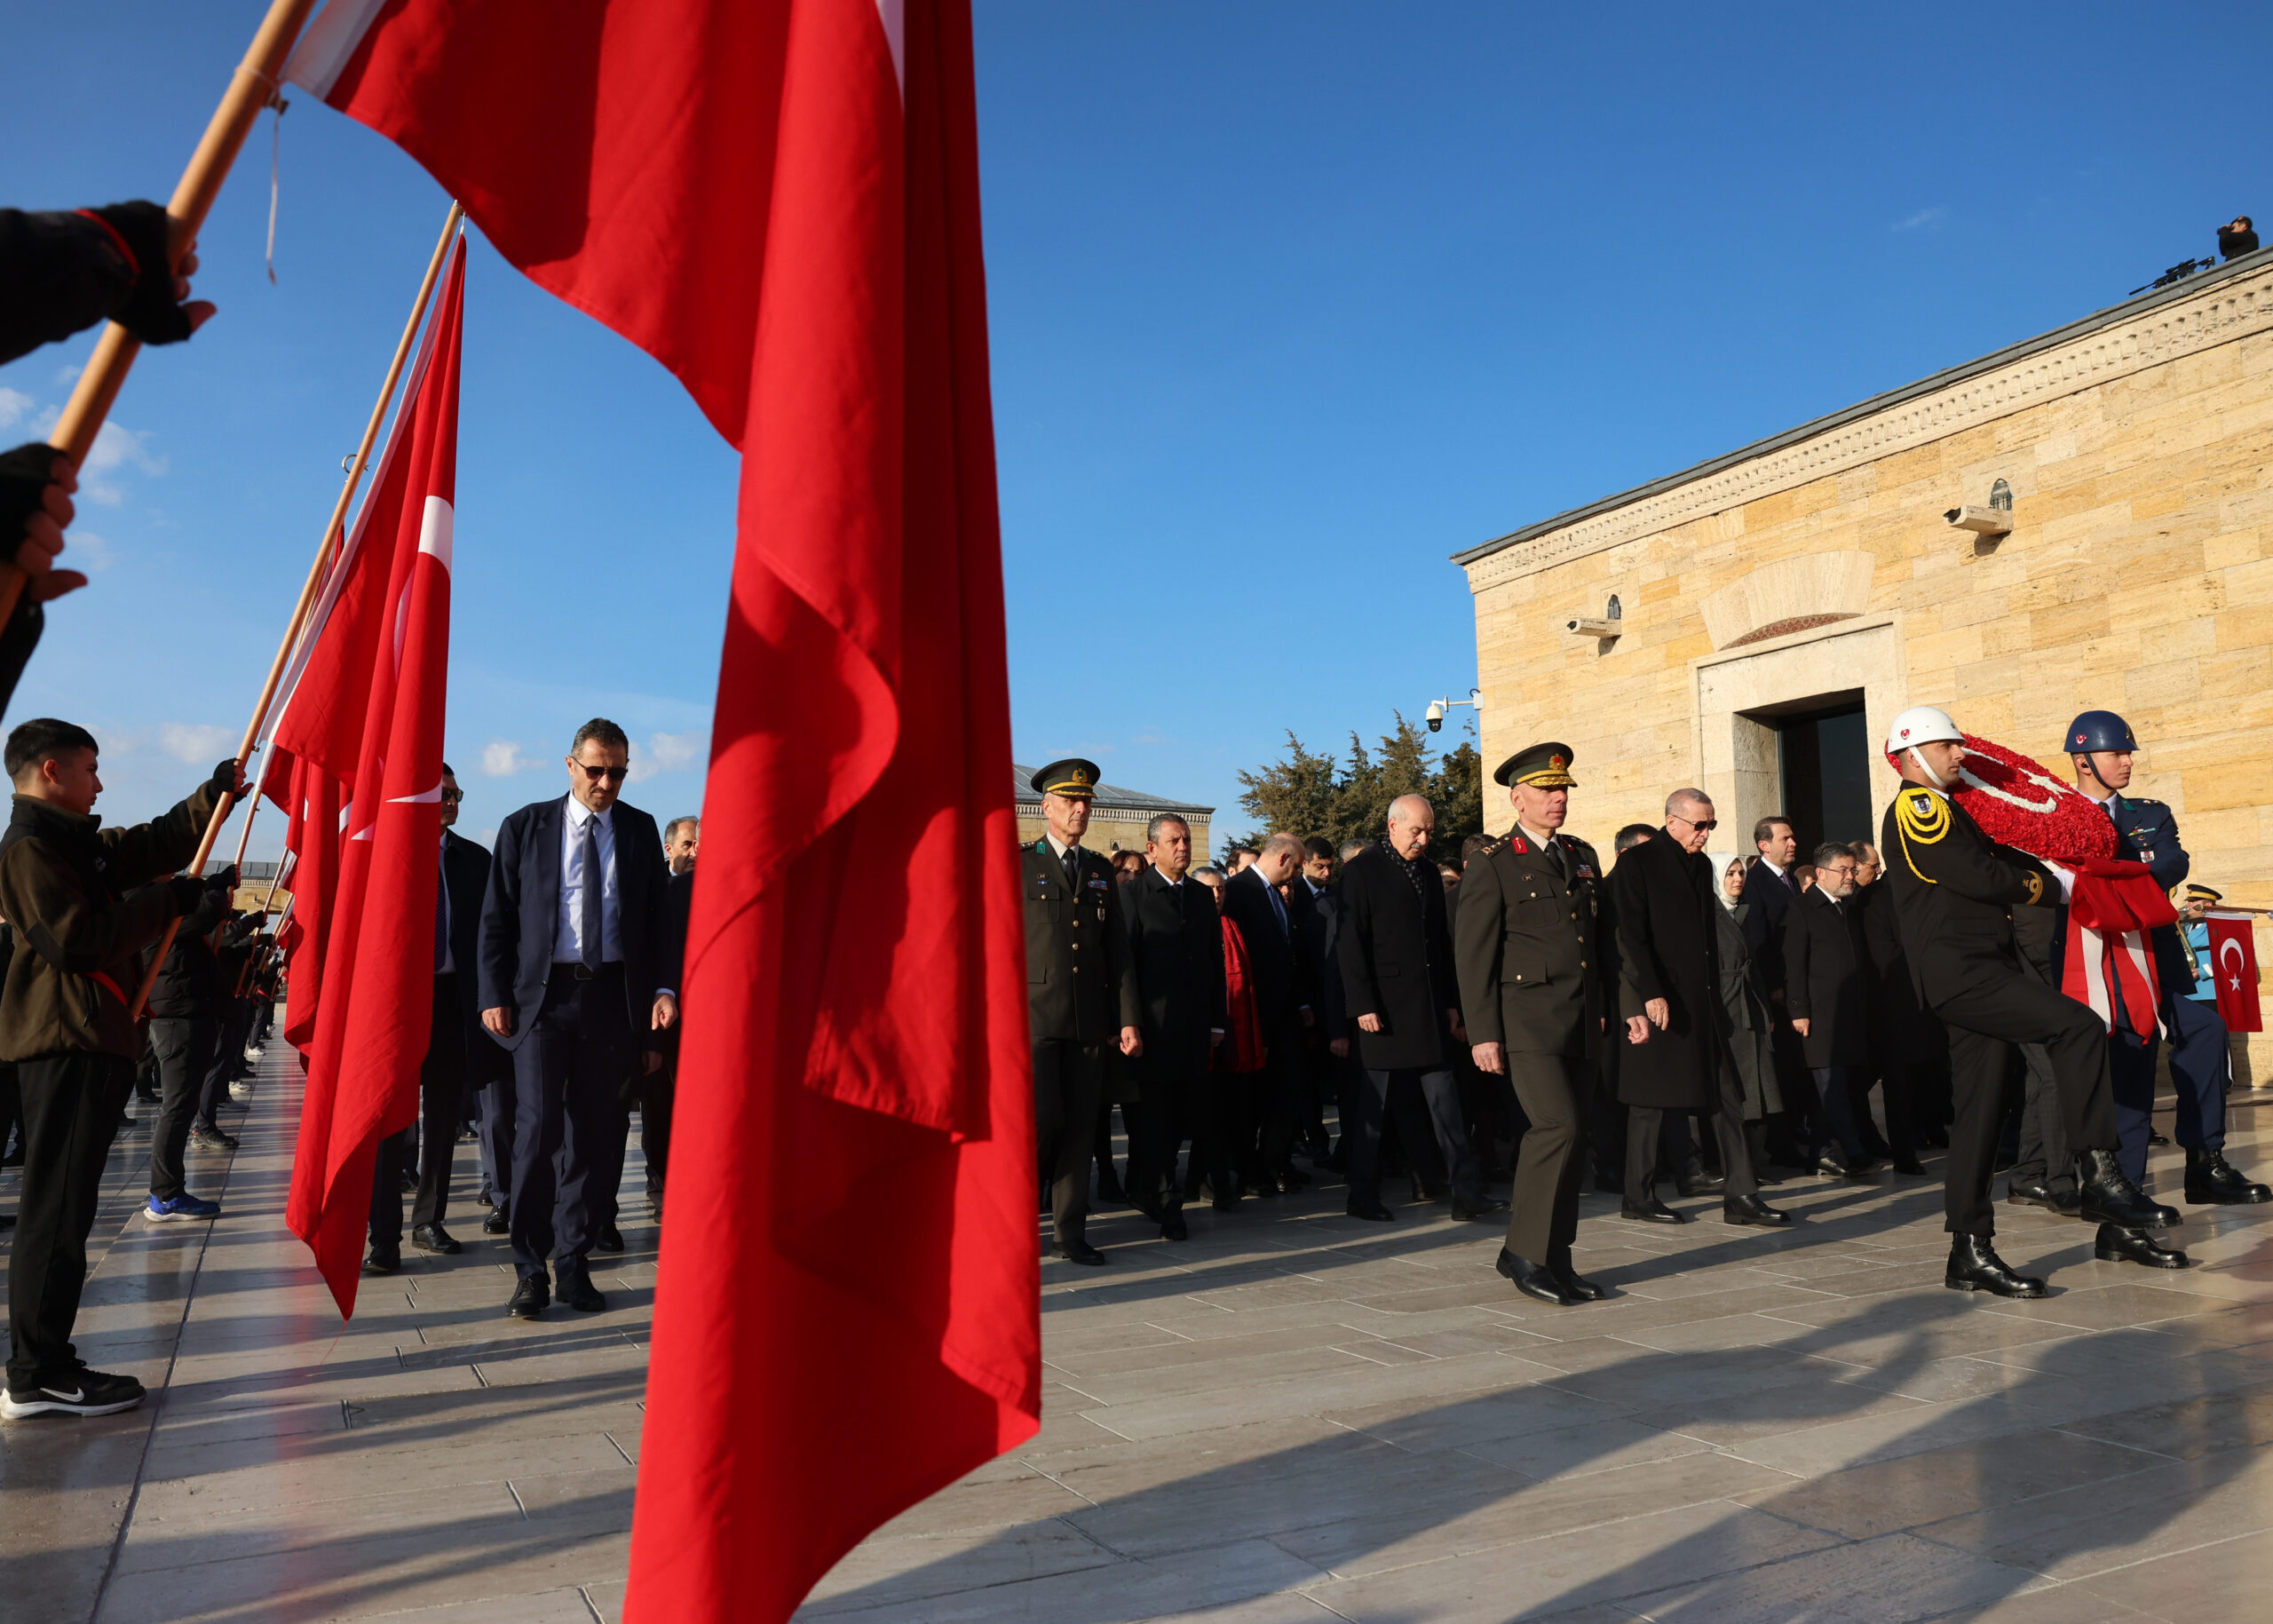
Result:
pixel 577 967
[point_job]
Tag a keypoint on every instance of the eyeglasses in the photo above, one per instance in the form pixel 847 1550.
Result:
pixel 1707 827
pixel 614 775
pixel 453 795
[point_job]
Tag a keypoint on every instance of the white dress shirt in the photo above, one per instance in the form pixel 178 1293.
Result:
pixel 569 936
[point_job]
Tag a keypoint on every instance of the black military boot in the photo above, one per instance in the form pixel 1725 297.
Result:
pixel 2104 1195
pixel 2213 1181
pixel 2115 1245
pixel 2041 1192
pixel 1975 1266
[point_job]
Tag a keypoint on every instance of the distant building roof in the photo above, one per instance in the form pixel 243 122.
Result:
pixel 2186 288
pixel 1109 794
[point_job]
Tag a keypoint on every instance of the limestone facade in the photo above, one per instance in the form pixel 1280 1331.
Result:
pixel 2137 576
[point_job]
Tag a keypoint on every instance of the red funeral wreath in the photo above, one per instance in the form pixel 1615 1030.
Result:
pixel 2017 803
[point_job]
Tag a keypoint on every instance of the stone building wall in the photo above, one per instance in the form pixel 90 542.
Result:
pixel 2138 576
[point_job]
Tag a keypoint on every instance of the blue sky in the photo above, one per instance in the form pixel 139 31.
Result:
pixel 1288 304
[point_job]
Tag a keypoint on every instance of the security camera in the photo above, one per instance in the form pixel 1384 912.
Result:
pixel 1436 715
pixel 1585 626
pixel 1982 521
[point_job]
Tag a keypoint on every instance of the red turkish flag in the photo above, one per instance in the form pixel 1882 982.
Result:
pixel 2233 959
pixel 778 199
pixel 372 1023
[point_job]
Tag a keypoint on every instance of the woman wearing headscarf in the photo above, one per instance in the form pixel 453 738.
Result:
pixel 1750 1027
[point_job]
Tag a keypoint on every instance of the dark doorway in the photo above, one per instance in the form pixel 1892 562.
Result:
pixel 1824 755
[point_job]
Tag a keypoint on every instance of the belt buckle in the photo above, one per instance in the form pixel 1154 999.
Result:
pixel 583 973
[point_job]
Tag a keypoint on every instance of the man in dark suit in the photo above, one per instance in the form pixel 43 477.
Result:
pixel 1402 994
pixel 1269 1099
pixel 1313 901
pixel 1770 890
pixel 659 1088
pixel 1175 950
pixel 1827 994
pixel 1074 1005
pixel 1533 995
pixel 457 1057
pixel 576 980
pixel 1672 1017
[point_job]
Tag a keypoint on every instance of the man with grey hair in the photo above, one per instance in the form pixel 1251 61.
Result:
pixel 1175 950
pixel 1403 995
pixel 1269 1099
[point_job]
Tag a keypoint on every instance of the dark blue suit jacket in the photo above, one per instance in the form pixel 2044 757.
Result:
pixel 521 912
pixel 1768 900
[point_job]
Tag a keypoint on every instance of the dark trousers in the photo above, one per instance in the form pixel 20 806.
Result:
pixel 184 1051
pixel 1170 1113
pixel 657 1095
pixel 71 1105
pixel 496 1132
pixel 1267 1103
pixel 1645 1126
pixel 231 1019
pixel 1430 1107
pixel 1068 1080
pixel 2201 1065
pixel 1552 1090
pixel 568 1077
pixel 442 1097
pixel 1832 1087
pixel 2043 1151
pixel 1996 1009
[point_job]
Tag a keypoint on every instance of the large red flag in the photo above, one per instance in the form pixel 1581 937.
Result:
pixel 2233 955
pixel 372 1022
pixel 778 199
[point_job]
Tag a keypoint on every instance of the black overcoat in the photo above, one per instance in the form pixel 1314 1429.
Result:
pixel 1275 959
pixel 1826 978
pixel 1752 1027
pixel 1668 947
pixel 1903 1029
pixel 1175 951
pixel 1397 962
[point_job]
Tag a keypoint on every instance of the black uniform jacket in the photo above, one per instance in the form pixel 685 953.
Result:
pixel 1396 962
pixel 520 917
pixel 1669 947
pixel 1902 1029
pixel 1827 975
pixel 1175 950
pixel 1080 987
pixel 1530 973
pixel 1953 890
pixel 1275 960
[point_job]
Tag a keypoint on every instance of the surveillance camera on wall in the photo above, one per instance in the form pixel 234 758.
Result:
pixel 1436 715
pixel 1982 521
pixel 1585 626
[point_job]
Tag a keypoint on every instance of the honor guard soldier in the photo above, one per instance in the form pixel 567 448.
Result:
pixel 1952 890
pixel 1533 995
pixel 1082 994
pixel 2100 744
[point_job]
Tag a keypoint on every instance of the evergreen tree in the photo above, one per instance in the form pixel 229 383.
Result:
pixel 1305 794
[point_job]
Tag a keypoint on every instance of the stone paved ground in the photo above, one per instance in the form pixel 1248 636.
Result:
pixel 1292 1418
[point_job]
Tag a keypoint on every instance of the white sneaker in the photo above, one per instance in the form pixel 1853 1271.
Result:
pixel 241 1092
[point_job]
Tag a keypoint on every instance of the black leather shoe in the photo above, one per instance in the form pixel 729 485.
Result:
pixel 2134 1246
pixel 383 1260
pixel 1934 1139
pixel 1078 1252
pixel 1975 1266
pixel 530 1299
pixel 1260 1187
pixel 2104 1195
pixel 2155 1138
pixel 1227 1203
pixel 1559 1265
pixel 1293 1178
pixel 1536 1280
pixel 500 1220
pixel 1909 1166
pixel 1653 1211
pixel 2041 1192
pixel 574 1289
pixel 1750 1209
pixel 409 1181
pixel 610 1239
pixel 1172 1224
pixel 1482 1210
pixel 1373 1211
pixel 1708 1183
pixel 434 1237
pixel 2213 1181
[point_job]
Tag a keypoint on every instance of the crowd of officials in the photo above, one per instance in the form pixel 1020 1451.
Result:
pixel 1682 1017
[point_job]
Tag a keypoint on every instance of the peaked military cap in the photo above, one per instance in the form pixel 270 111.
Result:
pixel 1071 777
pixel 1542 766
pixel 2198 892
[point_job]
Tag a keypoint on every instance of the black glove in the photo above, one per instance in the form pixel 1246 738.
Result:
pixel 151 312
pixel 25 474
pixel 223 883
pixel 223 781
pixel 188 891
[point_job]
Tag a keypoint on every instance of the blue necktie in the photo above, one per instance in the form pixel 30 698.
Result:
pixel 1277 905
pixel 589 898
pixel 441 924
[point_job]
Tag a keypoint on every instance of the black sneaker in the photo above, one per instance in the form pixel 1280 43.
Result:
pixel 83 1392
pixel 213 1139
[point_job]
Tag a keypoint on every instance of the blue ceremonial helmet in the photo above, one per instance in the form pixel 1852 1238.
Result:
pixel 2098 730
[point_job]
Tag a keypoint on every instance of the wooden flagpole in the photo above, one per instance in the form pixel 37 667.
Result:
pixel 251 88
pixel 309 589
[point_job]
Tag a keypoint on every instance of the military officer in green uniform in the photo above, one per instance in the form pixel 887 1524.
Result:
pixel 1533 908
pixel 1953 890
pixel 1082 994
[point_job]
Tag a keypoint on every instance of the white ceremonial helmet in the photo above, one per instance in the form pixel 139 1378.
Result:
pixel 1921 724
